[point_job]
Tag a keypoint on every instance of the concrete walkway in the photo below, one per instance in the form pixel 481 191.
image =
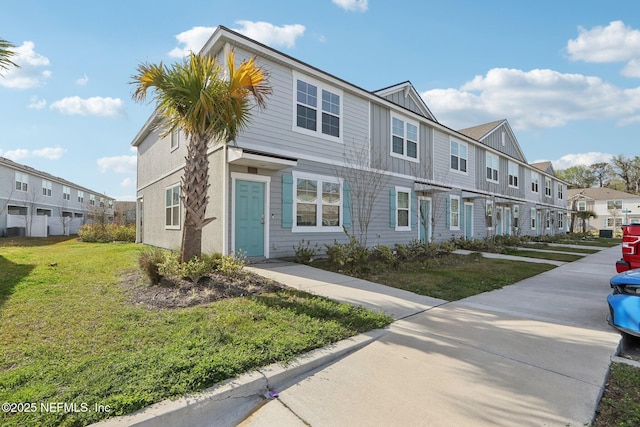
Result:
pixel 531 354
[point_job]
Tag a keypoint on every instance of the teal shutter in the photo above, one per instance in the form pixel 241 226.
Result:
pixel 392 207
pixel 447 216
pixel 287 201
pixel 346 205
pixel 414 209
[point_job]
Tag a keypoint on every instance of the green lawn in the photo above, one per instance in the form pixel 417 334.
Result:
pixel 543 255
pixel 620 403
pixel 68 333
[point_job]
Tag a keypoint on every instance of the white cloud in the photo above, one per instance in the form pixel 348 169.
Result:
pixel 51 153
pixel 82 81
pixel 29 74
pixel 118 164
pixel 616 42
pixel 36 103
pixel 270 34
pixel 193 40
pixel 95 106
pixel 352 5
pixel 583 159
pixel 127 182
pixel 533 99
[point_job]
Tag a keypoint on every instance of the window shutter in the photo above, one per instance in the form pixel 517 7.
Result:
pixel 392 207
pixel 346 205
pixel 447 216
pixel 414 209
pixel 287 201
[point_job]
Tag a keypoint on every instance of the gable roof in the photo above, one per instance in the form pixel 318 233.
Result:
pixel 599 193
pixel 482 132
pixel 35 172
pixel 408 91
pixel 546 167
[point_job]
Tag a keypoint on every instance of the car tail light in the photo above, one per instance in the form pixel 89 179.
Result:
pixel 629 245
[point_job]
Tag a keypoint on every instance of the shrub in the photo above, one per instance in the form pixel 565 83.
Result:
pixel 100 233
pixel 232 264
pixel 195 269
pixel 305 252
pixel 149 261
pixel 122 233
pixel 385 254
pixel 351 257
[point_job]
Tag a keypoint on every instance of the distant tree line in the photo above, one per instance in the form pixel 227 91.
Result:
pixel 622 173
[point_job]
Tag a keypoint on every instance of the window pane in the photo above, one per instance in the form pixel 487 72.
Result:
pixel 330 216
pixel 306 117
pixel 176 195
pixel 307 190
pixel 454 148
pixel 307 94
pixel 412 149
pixel 168 216
pixel 403 200
pixel 167 201
pixel 412 132
pixel 398 145
pixel 306 214
pixel 463 165
pixel 330 193
pixel 398 127
pixel 454 162
pixel 330 125
pixel 330 103
pixel 403 218
pixel 463 151
pixel 176 215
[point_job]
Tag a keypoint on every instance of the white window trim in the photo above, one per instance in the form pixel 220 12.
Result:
pixel 534 218
pixel 535 177
pixel 451 199
pixel 495 157
pixel 459 157
pixel 66 192
pixel 408 226
pixel 294 118
pixel 404 146
pixel 80 196
pixel 172 227
pixel 23 178
pixel 509 167
pixel 560 191
pixel 548 194
pixel 174 136
pixel 319 228
pixel 47 187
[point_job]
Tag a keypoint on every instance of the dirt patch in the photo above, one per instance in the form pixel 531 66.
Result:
pixel 183 293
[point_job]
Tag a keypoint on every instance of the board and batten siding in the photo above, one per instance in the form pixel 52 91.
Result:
pixel 500 141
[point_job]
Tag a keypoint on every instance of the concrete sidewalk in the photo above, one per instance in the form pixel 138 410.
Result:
pixel 533 353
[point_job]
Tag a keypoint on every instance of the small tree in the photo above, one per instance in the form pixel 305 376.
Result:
pixel 584 216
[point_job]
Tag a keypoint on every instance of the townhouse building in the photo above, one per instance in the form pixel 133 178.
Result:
pixel 37 204
pixel 302 167
pixel 612 208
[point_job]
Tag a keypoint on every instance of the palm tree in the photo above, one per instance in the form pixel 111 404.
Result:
pixel 209 103
pixel 5 55
pixel 585 216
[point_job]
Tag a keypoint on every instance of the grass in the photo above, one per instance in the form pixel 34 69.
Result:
pixel 450 277
pixel 543 255
pixel 620 403
pixel 68 333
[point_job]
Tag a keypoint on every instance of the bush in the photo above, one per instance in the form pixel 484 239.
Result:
pixel 195 269
pixel 149 261
pixel 232 264
pixel 304 252
pixel 352 257
pixel 100 233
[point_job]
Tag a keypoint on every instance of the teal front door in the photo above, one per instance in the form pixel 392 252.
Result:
pixel 468 221
pixel 249 217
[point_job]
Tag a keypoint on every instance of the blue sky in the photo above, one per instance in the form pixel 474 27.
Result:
pixel 565 74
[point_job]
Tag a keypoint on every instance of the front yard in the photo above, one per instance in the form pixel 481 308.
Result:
pixel 72 332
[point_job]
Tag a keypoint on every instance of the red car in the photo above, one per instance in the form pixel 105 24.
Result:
pixel 630 248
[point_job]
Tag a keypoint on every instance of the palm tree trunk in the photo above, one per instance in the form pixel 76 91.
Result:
pixel 195 184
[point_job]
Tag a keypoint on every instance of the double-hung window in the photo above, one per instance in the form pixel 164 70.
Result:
pixel 318 109
pixel 492 167
pixel 317 203
pixel 46 188
pixel 560 191
pixel 582 205
pixel 458 152
pixel 172 207
pixel 513 175
pixel 80 196
pixel 404 139
pixel 403 207
pixel 614 204
pixel 535 180
pixel 547 187
pixel 534 215
pixel 66 193
pixel 22 181
pixel 454 213
pixel 92 199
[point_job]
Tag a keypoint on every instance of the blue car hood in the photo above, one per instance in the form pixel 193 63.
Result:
pixel 631 277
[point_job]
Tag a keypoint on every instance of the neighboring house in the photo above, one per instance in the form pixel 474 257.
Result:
pixel 37 204
pixel 292 174
pixel 612 207
pixel 124 213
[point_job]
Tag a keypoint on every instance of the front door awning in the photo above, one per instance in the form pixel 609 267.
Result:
pixel 240 156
